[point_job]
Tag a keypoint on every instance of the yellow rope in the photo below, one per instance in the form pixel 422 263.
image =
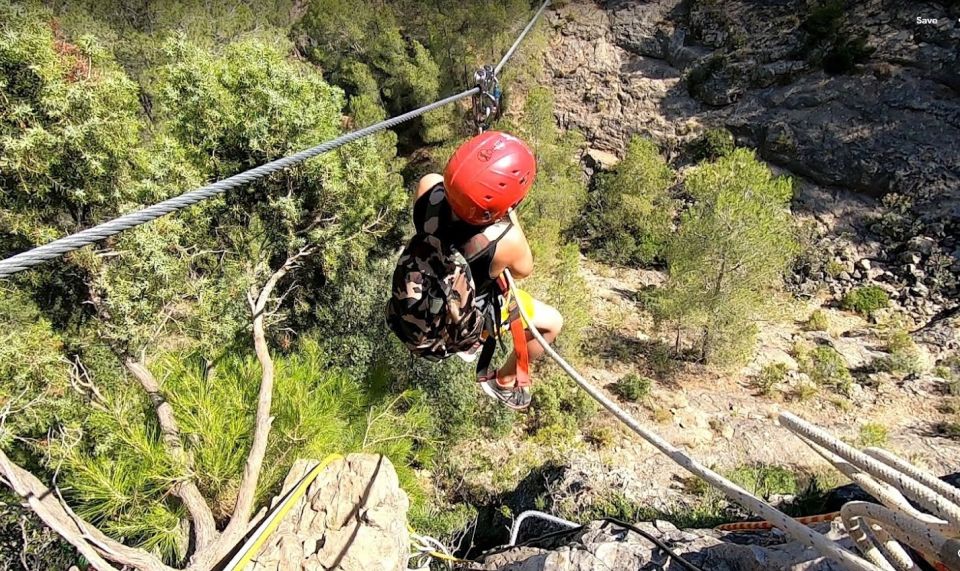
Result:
pixel 273 519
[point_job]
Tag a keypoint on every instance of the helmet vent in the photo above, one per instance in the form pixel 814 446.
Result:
pixel 503 185
pixel 523 180
pixel 488 198
pixel 516 172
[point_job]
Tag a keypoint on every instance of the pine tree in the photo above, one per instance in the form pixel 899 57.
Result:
pixel 728 257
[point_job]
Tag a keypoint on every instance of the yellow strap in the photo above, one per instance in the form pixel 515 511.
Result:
pixel 273 519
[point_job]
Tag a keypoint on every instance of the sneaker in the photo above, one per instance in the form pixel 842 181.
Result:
pixel 515 397
pixel 471 354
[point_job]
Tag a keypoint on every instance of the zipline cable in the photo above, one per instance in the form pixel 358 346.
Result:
pixel 59 247
pixel 737 494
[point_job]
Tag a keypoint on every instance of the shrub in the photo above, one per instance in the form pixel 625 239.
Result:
pixel 846 53
pixel 903 358
pixel 729 256
pixel 865 300
pixel 826 367
pixel 633 387
pixel 872 434
pixel 600 436
pixel 819 321
pixel 629 211
pixel 711 145
pixel 805 391
pixel 766 480
pixel 770 376
pixel 951 430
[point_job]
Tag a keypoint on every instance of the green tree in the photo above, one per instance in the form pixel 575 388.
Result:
pixel 728 257
pixel 630 212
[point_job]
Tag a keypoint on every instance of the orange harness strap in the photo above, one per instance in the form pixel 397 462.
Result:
pixel 517 331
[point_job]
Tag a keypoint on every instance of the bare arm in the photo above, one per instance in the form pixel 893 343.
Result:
pixel 513 252
pixel 426 183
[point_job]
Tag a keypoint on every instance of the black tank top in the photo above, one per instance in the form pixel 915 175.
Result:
pixel 477 243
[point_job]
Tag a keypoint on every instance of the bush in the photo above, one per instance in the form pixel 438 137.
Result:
pixel 865 300
pixel 766 480
pixel 819 321
pixel 633 387
pixel 711 145
pixel 872 434
pixel 903 358
pixel 770 376
pixel 826 367
pixel 600 436
pixel 729 256
pixel 629 211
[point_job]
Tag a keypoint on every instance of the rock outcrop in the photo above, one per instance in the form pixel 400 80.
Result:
pixel 352 518
pixel 863 103
pixel 607 546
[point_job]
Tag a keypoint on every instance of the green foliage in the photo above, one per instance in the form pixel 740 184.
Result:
pixel 711 145
pixel 633 387
pixel 903 355
pixel 600 436
pixel 26 540
pixel 866 299
pixel 68 131
pixel 728 258
pixel 361 46
pixel 629 213
pixel 826 367
pixel 765 480
pixel 872 434
pixel 121 482
pixel 818 321
pixel 560 407
pixel 770 376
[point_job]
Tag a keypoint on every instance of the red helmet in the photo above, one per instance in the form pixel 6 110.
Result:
pixel 487 176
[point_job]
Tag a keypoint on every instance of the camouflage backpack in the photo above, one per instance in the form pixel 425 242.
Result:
pixel 432 307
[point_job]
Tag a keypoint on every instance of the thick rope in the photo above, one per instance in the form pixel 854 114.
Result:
pixel 790 526
pixel 881 531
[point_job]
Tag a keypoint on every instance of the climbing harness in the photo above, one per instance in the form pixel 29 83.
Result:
pixel 518 324
pixel 488 98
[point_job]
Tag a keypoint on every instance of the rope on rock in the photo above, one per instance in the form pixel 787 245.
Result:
pixel 61 246
pixel 259 535
pixel 737 494
pixel 881 531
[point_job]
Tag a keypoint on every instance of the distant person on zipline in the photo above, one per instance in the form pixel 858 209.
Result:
pixel 448 293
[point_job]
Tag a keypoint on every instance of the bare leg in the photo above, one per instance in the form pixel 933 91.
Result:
pixel 548 322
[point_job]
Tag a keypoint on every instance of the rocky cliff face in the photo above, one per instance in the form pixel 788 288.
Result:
pixel 862 102
pixel 352 518
pixel 606 546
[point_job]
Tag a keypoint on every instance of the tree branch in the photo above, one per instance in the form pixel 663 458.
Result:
pixel 89 541
pixel 263 420
pixel 204 525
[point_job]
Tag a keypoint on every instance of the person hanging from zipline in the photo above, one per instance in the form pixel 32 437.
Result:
pixel 448 294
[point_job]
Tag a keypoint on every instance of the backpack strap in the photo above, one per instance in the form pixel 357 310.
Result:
pixel 435 217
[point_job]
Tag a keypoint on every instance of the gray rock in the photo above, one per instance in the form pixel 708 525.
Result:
pixel 600 160
pixel 352 518
pixel 605 546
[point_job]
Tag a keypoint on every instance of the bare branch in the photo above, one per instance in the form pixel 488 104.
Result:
pixel 263 420
pixel 204 526
pixel 88 540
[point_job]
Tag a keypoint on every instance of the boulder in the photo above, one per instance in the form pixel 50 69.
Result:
pixel 600 160
pixel 352 518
